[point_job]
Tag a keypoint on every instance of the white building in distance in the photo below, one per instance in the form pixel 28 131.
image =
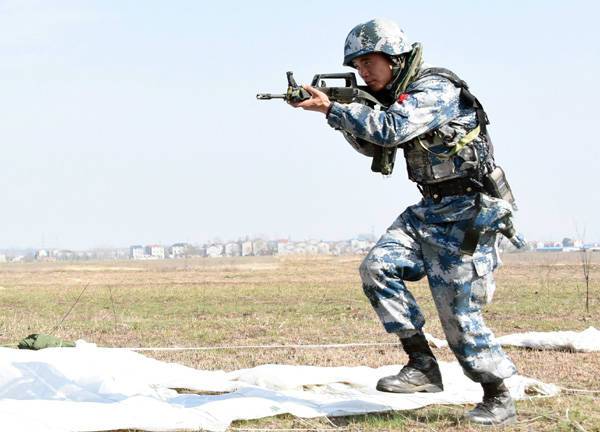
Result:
pixel 214 250
pixel 180 250
pixel 246 248
pixel 233 249
pixel 136 252
pixel 155 251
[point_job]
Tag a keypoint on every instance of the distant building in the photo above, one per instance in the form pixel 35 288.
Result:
pixel 214 250
pixel 259 247
pixel 340 248
pixel 42 254
pixel 281 247
pixel 299 247
pixel 323 248
pixel 549 246
pixel 180 250
pixel 121 253
pixel 233 249
pixel 311 249
pixel 272 247
pixel 136 252
pixel 3 258
pixel 84 255
pixel 155 251
pixel 360 246
pixel 104 254
pixel 64 255
pixel 246 248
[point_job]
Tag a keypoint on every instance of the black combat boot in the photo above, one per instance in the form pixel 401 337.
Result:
pixel 421 373
pixel 497 407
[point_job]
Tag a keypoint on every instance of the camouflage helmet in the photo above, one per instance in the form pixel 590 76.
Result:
pixel 377 35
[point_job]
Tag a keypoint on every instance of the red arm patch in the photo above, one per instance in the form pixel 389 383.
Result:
pixel 402 97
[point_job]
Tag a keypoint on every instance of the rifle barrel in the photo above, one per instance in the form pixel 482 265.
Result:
pixel 267 96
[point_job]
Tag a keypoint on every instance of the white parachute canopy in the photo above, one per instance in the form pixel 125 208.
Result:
pixel 91 389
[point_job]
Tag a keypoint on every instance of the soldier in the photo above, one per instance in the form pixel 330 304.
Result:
pixel 450 235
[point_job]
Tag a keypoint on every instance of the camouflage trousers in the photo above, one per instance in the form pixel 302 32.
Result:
pixel 425 241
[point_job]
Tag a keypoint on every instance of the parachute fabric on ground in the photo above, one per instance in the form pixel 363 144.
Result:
pixel 88 388
pixel 584 341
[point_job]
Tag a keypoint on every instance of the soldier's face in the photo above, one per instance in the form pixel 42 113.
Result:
pixel 375 69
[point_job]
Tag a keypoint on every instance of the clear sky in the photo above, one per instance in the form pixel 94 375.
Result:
pixel 125 122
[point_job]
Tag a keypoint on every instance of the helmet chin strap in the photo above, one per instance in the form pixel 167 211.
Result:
pixel 405 69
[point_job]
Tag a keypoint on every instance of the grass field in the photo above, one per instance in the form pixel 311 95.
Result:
pixel 305 300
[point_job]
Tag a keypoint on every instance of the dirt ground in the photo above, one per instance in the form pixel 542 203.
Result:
pixel 232 302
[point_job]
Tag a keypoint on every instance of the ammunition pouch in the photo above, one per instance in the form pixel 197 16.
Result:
pixel 505 227
pixel 497 186
pixel 494 184
pixel 383 159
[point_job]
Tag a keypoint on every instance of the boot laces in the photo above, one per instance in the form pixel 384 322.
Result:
pixel 489 403
pixel 421 363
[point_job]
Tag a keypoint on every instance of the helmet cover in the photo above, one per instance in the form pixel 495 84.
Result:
pixel 377 35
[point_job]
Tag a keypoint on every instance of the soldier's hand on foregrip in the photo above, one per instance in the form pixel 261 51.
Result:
pixel 319 101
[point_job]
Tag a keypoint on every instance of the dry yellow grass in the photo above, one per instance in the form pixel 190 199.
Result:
pixel 304 300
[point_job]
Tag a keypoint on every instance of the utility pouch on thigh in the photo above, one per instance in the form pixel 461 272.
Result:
pixel 482 289
pixel 497 186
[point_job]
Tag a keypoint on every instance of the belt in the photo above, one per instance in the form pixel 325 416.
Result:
pixel 459 186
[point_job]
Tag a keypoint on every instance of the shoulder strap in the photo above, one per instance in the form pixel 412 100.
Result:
pixel 465 94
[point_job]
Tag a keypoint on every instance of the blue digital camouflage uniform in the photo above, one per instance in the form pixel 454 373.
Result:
pixel 425 239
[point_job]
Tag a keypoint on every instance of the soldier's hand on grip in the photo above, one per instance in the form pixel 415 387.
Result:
pixel 319 101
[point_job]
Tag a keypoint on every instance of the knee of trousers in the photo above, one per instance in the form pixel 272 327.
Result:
pixel 380 265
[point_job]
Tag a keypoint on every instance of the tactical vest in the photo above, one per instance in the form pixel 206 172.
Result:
pixel 450 152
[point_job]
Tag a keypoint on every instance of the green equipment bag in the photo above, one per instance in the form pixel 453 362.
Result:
pixel 40 341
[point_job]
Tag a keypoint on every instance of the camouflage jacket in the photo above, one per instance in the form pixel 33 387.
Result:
pixel 428 104
pixel 429 113
pixel 431 104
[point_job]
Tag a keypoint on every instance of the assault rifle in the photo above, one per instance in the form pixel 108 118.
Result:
pixel 351 92
pixel 383 158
